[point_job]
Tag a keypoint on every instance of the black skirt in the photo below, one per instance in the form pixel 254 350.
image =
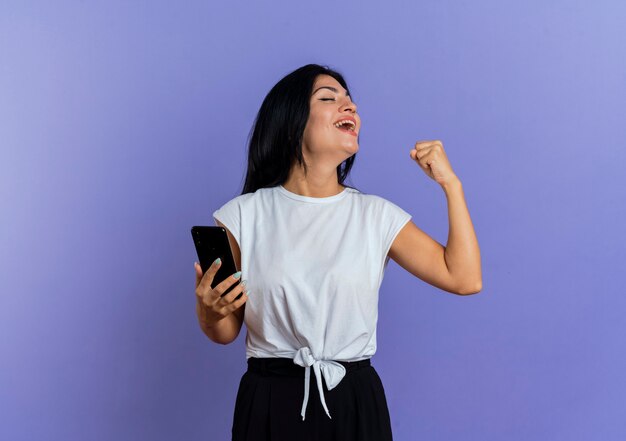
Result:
pixel 271 394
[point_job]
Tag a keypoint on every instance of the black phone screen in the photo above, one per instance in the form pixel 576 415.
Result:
pixel 211 243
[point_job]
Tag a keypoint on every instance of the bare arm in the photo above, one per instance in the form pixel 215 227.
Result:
pixel 462 254
pixel 454 268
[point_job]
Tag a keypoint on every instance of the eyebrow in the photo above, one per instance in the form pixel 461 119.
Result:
pixel 331 88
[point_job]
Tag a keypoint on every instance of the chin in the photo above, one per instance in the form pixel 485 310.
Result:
pixel 351 150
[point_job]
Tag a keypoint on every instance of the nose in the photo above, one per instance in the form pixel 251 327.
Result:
pixel 350 105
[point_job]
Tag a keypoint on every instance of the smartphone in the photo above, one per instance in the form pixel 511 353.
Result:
pixel 211 243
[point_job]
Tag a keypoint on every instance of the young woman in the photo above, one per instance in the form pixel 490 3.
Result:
pixel 313 252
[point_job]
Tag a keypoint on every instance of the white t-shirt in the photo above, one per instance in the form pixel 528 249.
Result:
pixel 314 267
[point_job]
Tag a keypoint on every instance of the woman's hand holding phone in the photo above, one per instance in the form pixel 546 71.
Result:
pixel 214 306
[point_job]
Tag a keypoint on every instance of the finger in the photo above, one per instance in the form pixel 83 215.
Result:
pixel 420 144
pixel 231 302
pixel 225 284
pixel 198 272
pixel 238 303
pixel 425 148
pixel 230 297
pixel 428 159
pixel 203 281
pixel 420 153
pixel 228 304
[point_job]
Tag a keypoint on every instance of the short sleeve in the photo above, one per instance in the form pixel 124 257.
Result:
pixel 393 219
pixel 229 214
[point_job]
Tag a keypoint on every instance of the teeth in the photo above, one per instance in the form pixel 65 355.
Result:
pixel 345 121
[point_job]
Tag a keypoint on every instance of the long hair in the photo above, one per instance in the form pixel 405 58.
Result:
pixel 276 136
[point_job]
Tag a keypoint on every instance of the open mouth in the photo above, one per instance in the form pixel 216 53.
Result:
pixel 346 126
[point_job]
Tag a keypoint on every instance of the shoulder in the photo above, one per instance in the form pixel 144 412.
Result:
pixel 376 202
pixel 239 200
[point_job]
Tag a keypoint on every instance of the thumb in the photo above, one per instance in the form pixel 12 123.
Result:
pixel 198 272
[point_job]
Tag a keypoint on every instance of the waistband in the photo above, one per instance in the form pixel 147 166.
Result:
pixel 287 367
pixel 302 362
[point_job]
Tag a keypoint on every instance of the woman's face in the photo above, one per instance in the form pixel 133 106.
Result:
pixel 322 139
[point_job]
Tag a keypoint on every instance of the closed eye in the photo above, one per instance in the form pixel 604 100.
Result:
pixel 327 99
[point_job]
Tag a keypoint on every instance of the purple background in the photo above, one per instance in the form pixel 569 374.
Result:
pixel 122 125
